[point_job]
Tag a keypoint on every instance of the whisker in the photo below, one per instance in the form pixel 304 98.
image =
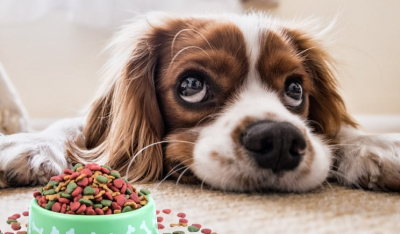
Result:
pixel 151 145
pixel 172 171
pixel 185 30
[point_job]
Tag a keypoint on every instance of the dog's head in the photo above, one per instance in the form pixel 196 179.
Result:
pixel 245 102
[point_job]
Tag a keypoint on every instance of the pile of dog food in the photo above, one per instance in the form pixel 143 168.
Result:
pixel 90 190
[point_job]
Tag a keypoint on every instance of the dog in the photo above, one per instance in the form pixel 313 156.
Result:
pixel 239 102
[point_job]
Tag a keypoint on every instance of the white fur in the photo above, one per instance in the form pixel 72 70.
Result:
pixel 257 102
pixel 30 158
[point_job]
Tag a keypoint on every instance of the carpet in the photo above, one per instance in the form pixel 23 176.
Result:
pixel 329 209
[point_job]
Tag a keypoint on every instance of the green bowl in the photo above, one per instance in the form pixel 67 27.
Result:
pixel 141 221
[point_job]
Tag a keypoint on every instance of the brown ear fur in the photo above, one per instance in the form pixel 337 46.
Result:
pixel 327 111
pixel 125 117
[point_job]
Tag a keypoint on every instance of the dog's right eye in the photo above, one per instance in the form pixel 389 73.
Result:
pixel 193 89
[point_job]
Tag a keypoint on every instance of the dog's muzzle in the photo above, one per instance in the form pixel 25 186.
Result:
pixel 279 146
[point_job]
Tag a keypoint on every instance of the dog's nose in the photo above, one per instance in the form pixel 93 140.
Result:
pixel 275 145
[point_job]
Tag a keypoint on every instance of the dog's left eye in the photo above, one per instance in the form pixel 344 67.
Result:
pixel 293 94
pixel 193 89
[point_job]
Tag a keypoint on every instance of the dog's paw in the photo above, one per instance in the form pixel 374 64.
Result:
pixel 29 159
pixel 370 161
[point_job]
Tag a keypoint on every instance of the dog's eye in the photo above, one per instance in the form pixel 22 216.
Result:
pixel 293 94
pixel 193 89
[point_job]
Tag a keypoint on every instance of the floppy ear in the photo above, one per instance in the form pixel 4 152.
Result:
pixel 125 117
pixel 327 110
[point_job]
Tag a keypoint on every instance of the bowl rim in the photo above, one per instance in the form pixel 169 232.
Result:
pixel 34 206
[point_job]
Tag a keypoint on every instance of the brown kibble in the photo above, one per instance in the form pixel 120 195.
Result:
pixel 79 169
pixel 80 177
pixel 100 194
pixel 53 197
pixel 117 211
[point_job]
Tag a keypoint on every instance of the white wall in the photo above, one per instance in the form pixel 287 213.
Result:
pixel 53 58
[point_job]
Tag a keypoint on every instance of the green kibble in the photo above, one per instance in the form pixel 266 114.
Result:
pixel 66 195
pixel 126 209
pixel 98 206
pixel 193 229
pixel 53 183
pixel 115 174
pixel 145 191
pixel 128 191
pixel 11 220
pixel 86 202
pixel 178 232
pixel 139 194
pixel 78 165
pixel 106 202
pixel 105 166
pixel 49 205
pixel 71 187
pixel 102 179
pixel 49 192
pixel 41 191
pixel 89 190
pixel 126 181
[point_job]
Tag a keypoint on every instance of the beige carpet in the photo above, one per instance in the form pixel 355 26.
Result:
pixel 330 209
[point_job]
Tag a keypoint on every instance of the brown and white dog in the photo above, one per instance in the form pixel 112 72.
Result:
pixel 239 102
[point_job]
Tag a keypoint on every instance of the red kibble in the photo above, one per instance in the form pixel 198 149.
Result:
pixel 96 191
pixel 90 211
pixel 75 205
pixel 95 168
pixel 70 212
pixel 120 199
pixel 108 212
pixel 166 211
pixel 99 211
pixel 113 188
pixel 181 215
pixel 81 209
pixel 25 213
pixel 160 219
pixel 196 225
pixel 12 217
pixel 36 193
pixel 78 197
pixel 83 182
pixel 98 199
pixel 56 207
pixel 74 175
pixel 9 233
pixel 105 170
pixel 90 180
pixel 115 206
pixel 206 230
pixel 87 172
pixel 160 226
pixel 107 195
pixel 157 211
pixel 64 200
pixel 77 192
pixel 183 221
pixel 16 227
pixel 68 171
pixel 135 198
pixel 63 208
pixel 17 215
pixel 118 183
pixel 123 189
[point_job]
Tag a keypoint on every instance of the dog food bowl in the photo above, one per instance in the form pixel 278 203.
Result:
pixel 140 221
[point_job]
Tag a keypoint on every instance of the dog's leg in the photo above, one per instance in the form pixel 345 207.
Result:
pixel 372 161
pixel 32 158
pixel 13 116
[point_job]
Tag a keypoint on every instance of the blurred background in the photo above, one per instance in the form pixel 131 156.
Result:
pixel 51 49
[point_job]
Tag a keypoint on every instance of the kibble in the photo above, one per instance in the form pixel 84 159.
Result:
pixel 89 190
